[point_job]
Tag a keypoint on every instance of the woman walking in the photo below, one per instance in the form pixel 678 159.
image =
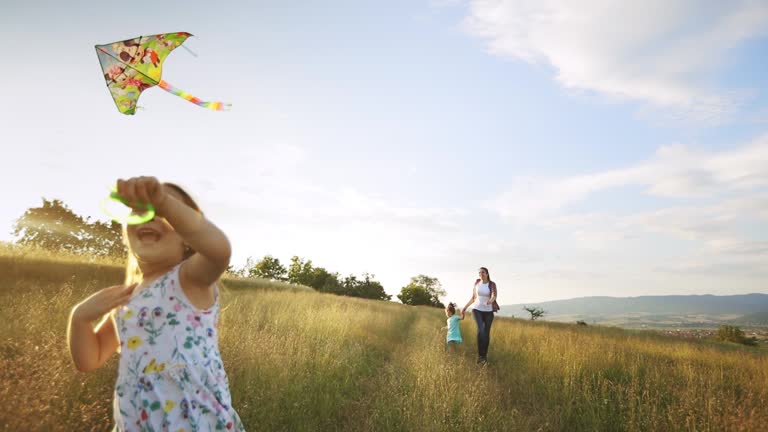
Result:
pixel 484 305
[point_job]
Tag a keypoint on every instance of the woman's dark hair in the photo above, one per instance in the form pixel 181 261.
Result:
pixel 486 272
pixel 452 307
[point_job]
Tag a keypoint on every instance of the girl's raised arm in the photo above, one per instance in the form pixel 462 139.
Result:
pixel 211 244
pixel 212 247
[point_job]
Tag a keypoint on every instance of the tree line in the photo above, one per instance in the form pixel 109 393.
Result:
pixel 302 271
pixel 56 228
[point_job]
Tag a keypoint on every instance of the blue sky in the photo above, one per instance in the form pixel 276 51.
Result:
pixel 570 152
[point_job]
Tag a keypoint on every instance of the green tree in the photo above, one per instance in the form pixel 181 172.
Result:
pixel 422 290
pixel 300 271
pixel 269 267
pixel 366 287
pixel 536 312
pixel 55 227
pixel 325 281
pixel 414 295
pixel 734 334
pixel 52 227
pixel 433 287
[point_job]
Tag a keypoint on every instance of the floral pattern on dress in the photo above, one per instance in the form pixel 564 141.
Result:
pixel 171 376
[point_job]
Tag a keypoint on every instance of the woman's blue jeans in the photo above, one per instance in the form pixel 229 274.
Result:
pixel 483 321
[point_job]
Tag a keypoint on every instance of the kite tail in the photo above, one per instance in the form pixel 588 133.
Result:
pixel 216 106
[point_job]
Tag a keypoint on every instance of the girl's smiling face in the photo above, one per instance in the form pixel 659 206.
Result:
pixel 156 241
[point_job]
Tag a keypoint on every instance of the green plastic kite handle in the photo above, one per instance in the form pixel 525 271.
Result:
pixel 131 219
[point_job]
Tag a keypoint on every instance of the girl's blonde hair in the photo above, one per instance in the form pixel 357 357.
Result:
pixel 132 270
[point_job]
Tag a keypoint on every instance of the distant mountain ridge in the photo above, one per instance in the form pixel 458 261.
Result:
pixel 742 304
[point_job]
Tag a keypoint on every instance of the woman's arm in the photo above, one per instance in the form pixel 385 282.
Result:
pixel 472 300
pixel 492 298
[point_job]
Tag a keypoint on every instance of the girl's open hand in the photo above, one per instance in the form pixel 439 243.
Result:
pixel 103 301
pixel 141 190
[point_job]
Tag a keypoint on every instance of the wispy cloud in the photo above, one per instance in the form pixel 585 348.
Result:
pixel 710 218
pixel 675 171
pixel 661 52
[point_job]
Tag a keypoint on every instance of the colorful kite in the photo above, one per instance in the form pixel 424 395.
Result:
pixel 134 65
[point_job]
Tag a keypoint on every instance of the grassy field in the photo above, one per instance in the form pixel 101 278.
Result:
pixel 303 361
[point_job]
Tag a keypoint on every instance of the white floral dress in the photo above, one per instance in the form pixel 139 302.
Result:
pixel 171 377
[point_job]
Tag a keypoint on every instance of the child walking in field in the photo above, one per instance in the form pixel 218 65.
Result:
pixel 164 321
pixel 453 336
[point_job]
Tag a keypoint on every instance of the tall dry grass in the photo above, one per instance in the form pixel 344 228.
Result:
pixel 299 360
pixel 549 376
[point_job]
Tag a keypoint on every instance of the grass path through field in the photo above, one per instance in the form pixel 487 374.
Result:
pixel 424 388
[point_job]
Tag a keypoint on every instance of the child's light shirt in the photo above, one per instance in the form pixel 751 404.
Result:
pixel 171 376
pixel 454 329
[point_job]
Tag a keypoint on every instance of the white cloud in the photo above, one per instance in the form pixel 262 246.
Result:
pixel 710 223
pixel 663 52
pixel 732 266
pixel 721 237
pixel 674 172
pixel 718 226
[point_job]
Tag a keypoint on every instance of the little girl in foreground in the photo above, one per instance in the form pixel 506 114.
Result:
pixel 453 336
pixel 163 321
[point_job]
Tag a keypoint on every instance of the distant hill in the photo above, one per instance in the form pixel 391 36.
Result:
pixel 673 308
